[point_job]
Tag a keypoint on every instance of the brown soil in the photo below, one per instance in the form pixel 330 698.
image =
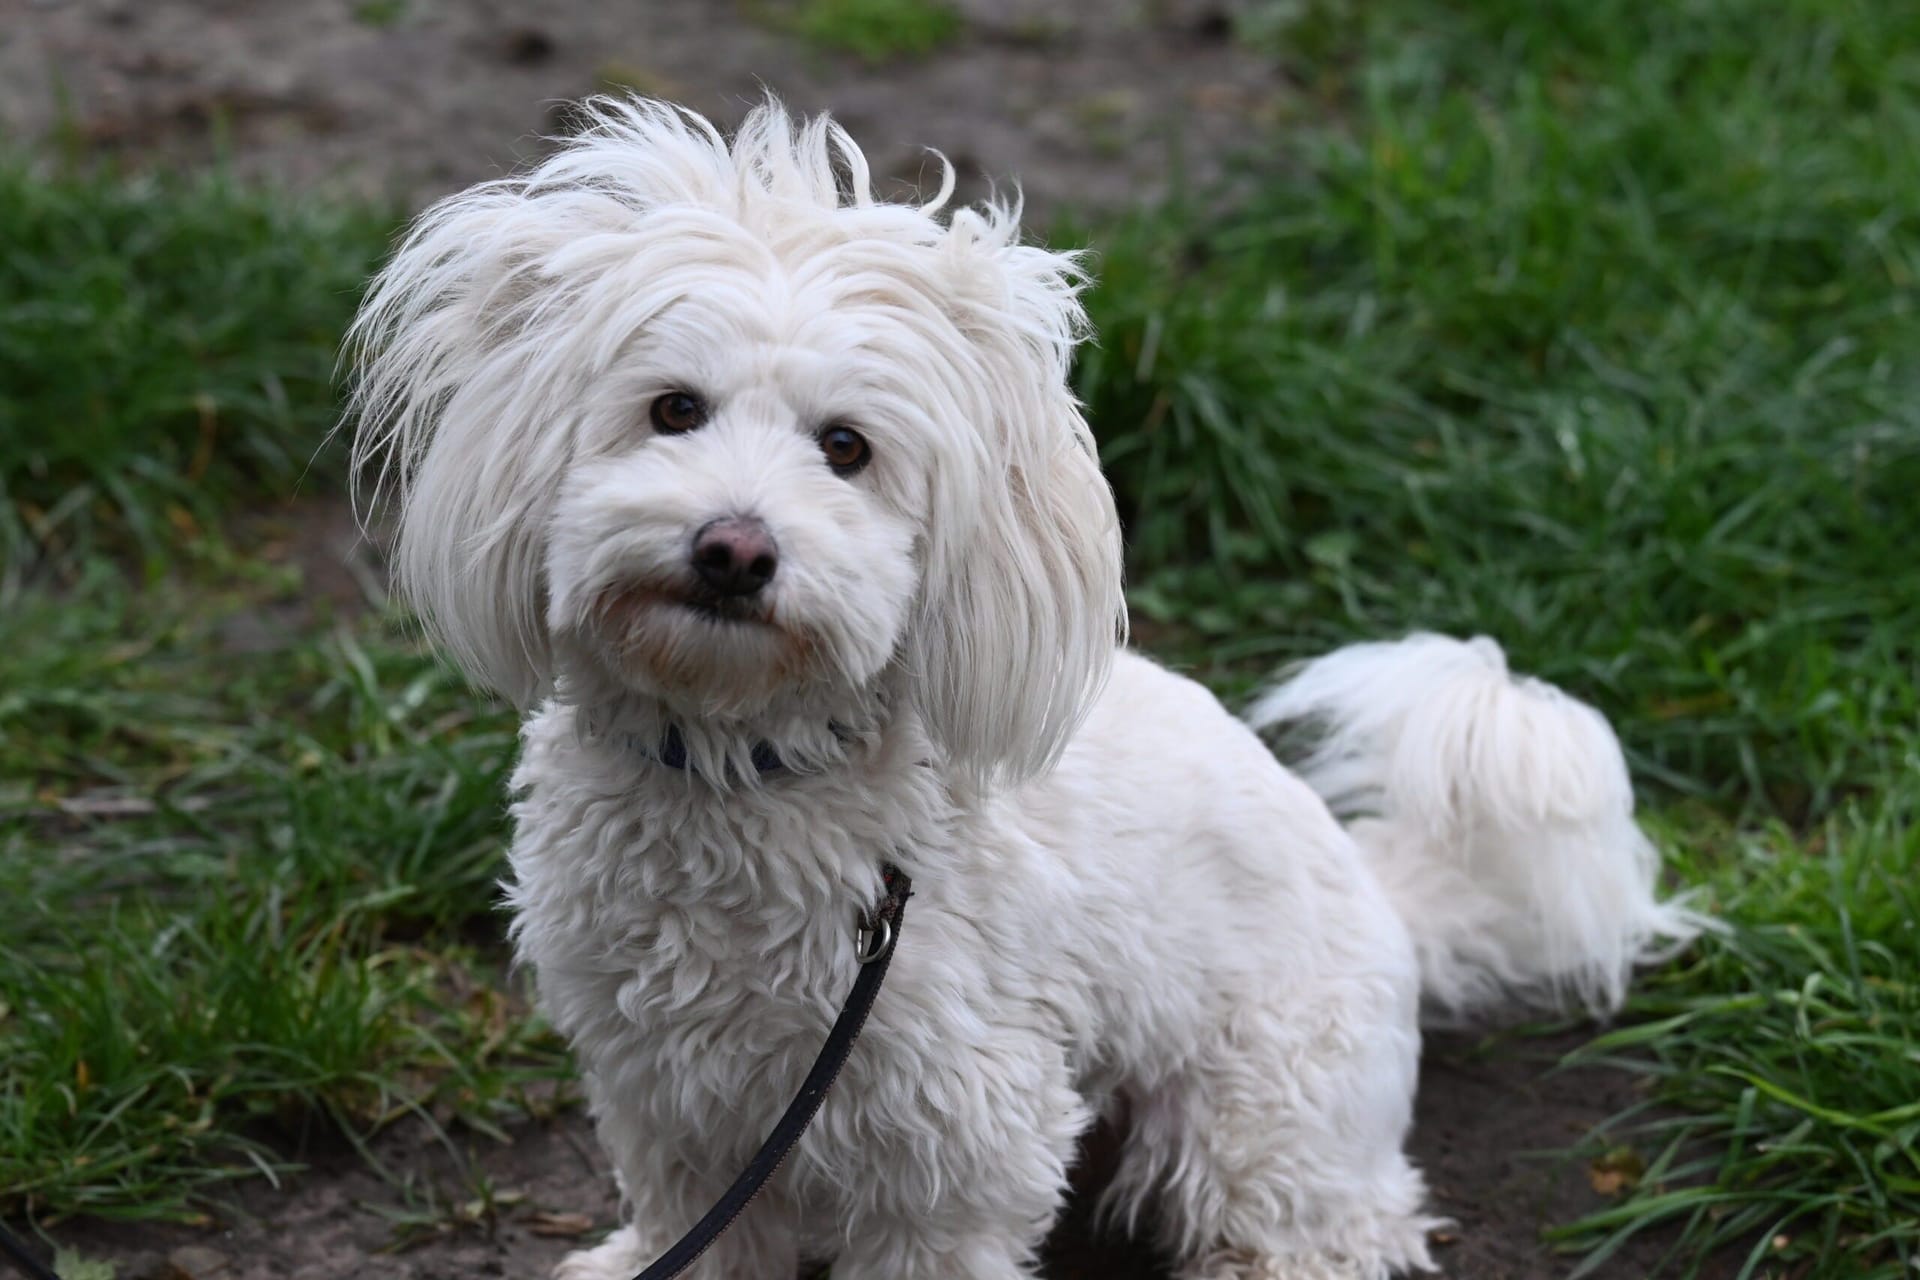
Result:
pixel 1093 102
pixel 1097 103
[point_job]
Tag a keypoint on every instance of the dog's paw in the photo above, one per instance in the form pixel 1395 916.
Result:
pixel 1245 1264
pixel 618 1257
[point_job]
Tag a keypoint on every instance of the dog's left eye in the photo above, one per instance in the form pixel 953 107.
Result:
pixel 677 412
pixel 846 449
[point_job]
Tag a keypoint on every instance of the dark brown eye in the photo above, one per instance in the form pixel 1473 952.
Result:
pixel 677 412
pixel 846 449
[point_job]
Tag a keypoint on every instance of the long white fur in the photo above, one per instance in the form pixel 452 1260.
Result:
pixel 1123 901
pixel 1497 813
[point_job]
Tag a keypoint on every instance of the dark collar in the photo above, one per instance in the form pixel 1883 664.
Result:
pixel 672 752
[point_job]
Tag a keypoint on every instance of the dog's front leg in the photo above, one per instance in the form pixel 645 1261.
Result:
pixel 662 1199
pixel 968 1191
pixel 990 1230
pixel 925 1254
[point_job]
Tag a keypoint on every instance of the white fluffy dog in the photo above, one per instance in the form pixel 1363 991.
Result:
pixel 772 504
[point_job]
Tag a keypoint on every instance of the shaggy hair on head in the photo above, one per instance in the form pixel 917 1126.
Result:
pixel 771 505
pixel 527 300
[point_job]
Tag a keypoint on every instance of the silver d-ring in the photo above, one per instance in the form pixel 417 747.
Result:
pixel 869 944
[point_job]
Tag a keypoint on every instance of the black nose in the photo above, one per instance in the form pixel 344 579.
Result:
pixel 735 557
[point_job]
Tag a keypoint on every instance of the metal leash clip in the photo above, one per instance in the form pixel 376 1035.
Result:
pixel 869 943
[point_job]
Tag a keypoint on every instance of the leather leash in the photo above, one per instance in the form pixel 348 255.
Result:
pixel 15 1251
pixel 879 934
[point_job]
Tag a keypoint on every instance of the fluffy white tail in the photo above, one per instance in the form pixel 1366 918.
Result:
pixel 1497 812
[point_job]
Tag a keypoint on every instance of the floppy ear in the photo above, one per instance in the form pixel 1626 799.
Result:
pixel 473 347
pixel 1022 609
pixel 444 408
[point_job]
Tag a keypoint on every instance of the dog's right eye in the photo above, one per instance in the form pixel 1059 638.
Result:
pixel 677 412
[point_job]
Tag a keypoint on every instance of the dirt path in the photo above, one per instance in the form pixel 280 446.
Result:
pixel 1482 1125
pixel 416 97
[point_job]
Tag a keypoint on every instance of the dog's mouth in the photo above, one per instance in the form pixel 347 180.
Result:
pixel 727 610
pixel 631 600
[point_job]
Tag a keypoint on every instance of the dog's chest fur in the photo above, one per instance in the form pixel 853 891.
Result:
pixel 695 945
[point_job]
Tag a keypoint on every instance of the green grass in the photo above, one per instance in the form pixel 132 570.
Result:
pixel 875 30
pixel 1786 1054
pixel 1599 345
pixel 1589 325
pixel 166 349
pixel 244 890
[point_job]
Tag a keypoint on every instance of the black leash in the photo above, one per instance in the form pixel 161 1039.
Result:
pixel 15 1250
pixel 879 934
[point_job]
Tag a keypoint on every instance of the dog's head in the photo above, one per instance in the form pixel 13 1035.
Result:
pixel 705 418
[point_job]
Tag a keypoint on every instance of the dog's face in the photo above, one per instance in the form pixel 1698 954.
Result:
pixel 686 419
pixel 746 515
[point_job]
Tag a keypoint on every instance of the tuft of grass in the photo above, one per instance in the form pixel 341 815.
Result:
pixel 166 345
pixel 1786 1055
pixel 244 892
pixel 380 13
pixel 876 30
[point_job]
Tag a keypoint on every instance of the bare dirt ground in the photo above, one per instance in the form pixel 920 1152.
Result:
pixel 1085 102
pixel 1483 1126
pixel 1090 104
